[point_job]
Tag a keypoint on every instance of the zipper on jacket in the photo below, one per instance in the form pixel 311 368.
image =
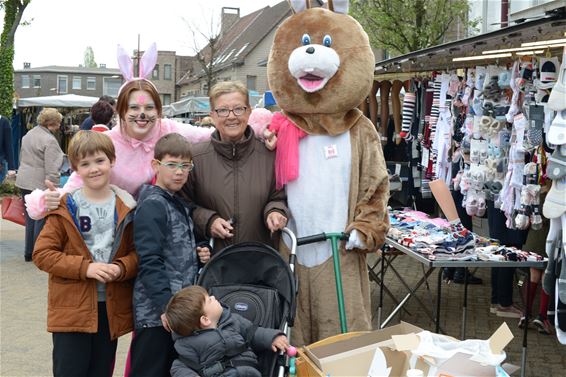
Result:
pixel 235 213
pixel 233 150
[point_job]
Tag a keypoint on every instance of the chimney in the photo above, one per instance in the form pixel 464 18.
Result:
pixel 27 65
pixel 229 17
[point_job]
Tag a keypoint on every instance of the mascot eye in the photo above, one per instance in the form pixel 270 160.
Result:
pixel 327 40
pixel 306 39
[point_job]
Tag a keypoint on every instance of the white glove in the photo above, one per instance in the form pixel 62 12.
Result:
pixel 355 241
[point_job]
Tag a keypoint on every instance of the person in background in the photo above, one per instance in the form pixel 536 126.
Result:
pixel 7 164
pixel 87 248
pixel 102 113
pixel 536 243
pixel 207 122
pixel 502 277
pixel 89 122
pixel 233 183
pixel 40 164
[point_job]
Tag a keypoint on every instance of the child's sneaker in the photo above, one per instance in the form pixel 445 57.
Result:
pixel 543 325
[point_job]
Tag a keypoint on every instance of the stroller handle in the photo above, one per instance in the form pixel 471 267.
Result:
pixel 321 237
pixel 293 238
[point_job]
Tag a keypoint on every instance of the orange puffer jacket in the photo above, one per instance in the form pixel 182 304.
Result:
pixel 72 298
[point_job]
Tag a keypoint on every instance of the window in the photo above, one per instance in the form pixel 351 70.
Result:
pixel 167 72
pixel 241 50
pixel 62 84
pixel 166 99
pixel 25 81
pixel 36 81
pixel 77 82
pixel 111 86
pixel 251 82
pixel 91 83
pixel 155 74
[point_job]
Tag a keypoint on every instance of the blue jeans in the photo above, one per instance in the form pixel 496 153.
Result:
pixel 3 170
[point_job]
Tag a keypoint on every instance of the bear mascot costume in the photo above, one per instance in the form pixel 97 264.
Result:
pixel 329 156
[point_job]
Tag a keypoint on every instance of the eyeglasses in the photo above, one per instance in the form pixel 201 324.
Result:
pixel 173 166
pixel 224 112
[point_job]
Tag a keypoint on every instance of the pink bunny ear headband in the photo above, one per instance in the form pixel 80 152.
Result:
pixel 146 65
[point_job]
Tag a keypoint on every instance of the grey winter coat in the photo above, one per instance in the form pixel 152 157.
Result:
pixel 165 243
pixel 41 158
pixel 209 346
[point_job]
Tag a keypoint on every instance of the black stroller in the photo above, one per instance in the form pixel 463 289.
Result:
pixel 253 280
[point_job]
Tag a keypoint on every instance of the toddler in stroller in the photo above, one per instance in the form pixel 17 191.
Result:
pixel 254 281
pixel 212 341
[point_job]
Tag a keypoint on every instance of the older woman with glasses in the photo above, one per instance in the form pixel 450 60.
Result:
pixel 41 160
pixel 233 182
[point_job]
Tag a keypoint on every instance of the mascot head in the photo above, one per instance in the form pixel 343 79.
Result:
pixel 321 61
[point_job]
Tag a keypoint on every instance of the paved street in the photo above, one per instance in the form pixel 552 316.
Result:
pixel 25 345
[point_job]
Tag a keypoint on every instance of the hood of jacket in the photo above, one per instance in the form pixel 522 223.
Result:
pixel 124 205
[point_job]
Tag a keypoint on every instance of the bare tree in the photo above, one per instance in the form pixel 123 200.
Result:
pixel 402 26
pixel 13 12
pixel 206 56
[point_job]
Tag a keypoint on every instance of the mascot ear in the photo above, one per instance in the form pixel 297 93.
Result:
pixel 299 5
pixel 338 6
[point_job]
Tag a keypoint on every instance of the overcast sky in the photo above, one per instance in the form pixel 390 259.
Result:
pixel 61 30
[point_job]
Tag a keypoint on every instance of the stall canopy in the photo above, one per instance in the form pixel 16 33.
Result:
pixel 549 26
pixel 199 106
pixel 190 105
pixel 66 100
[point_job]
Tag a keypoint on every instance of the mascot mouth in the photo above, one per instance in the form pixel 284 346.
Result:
pixel 311 83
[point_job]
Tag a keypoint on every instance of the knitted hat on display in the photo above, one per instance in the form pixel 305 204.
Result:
pixel 549 69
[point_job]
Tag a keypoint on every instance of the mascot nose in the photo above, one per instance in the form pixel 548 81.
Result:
pixel 310 50
pixel 142 115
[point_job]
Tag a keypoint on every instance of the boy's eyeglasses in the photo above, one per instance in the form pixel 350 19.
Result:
pixel 224 112
pixel 173 166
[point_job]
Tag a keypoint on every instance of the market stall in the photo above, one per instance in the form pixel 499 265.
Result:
pixel 74 109
pixel 487 116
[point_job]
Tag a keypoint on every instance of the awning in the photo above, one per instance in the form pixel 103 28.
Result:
pixel 66 100
pixel 548 27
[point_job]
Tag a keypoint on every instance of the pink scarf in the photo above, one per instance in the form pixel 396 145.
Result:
pixel 287 153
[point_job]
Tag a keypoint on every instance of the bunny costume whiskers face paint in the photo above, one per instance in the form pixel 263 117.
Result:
pixel 139 106
pixel 141 115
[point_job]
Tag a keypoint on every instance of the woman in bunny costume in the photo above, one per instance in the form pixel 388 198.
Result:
pixel 140 126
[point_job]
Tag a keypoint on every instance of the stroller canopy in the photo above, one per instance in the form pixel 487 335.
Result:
pixel 250 263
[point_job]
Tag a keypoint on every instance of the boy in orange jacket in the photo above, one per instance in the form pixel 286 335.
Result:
pixel 87 248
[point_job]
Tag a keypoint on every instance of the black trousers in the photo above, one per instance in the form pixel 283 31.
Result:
pixel 33 228
pixel 82 354
pixel 152 353
pixel 502 278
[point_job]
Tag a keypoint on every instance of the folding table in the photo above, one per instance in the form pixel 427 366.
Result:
pixel 432 265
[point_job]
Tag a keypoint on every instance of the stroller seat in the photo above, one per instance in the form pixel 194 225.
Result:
pixel 260 305
pixel 253 280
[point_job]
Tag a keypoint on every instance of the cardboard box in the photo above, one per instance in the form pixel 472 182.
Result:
pixel 352 354
pixel 459 363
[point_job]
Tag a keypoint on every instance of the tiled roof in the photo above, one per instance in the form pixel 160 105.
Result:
pixel 244 36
